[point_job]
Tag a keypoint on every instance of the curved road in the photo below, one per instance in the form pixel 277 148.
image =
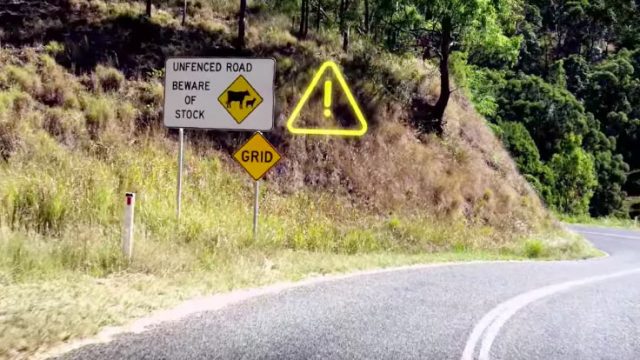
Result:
pixel 531 310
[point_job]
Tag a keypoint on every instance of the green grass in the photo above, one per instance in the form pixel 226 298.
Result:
pixel 38 314
pixel 601 221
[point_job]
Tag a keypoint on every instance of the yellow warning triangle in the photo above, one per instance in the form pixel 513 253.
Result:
pixel 337 74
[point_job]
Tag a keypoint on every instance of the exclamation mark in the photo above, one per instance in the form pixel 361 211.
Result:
pixel 327 98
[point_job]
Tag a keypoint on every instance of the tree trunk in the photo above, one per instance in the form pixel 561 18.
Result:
pixel 303 5
pixel 366 17
pixel 445 86
pixel 306 17
pixel 431 117
pixel 341 16
pixel 241 24
pixel 345 40
pixel 148 8
pixel 318 14
pixel 184 12
pixel 344 30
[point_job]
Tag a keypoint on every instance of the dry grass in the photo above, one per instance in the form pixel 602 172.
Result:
pixel 72 144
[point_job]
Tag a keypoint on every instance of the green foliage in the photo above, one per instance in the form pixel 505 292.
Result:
pixel 485 87
pixel 577 72
pixel 533 248
pixel 557 74
pixel 575 177
pixel 522 147
pixel 549 113
pixel 54 48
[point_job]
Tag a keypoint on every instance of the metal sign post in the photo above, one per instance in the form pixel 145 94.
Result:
pixel 256 194
pixel 180 161
pixel 257 156
pixel 222 94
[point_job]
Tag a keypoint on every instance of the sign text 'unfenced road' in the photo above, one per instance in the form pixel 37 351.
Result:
pixel 219 93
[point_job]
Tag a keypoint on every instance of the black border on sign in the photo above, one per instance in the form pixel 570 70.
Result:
pixel 273 91
pixel 258 133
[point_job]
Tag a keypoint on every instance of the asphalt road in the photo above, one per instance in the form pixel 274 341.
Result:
pixel 546 310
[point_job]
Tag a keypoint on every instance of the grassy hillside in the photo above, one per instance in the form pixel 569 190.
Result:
pixel 80 125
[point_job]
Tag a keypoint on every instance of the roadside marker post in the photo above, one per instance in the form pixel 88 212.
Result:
pixel 127 228
pixel 233 94
pixel 257 156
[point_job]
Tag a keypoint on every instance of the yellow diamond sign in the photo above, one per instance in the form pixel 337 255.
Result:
pixel 257 156
pixel 240 99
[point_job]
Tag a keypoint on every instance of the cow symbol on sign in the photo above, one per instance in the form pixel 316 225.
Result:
pixel 240 99
pixel 236 96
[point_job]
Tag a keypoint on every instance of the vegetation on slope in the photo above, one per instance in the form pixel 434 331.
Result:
pixel 80 124
pixel 559 80
pixel 574 92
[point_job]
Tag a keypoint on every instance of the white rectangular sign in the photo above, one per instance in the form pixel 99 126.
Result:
pixel 219 93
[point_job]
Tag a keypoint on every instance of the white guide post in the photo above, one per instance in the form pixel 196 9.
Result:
pixel 127 228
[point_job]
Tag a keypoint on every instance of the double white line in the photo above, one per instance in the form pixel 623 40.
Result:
pixel 487 329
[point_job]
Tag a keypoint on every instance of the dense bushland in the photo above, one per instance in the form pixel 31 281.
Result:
pixel 567 71
pixel 575 88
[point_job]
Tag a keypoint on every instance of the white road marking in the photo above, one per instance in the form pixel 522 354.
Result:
pixel 610 235
pixel 494 320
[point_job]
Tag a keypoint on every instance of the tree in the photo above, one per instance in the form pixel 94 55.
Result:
pixel 608 196
pixel 148 12
pixel 523 149
pixel 184 12
pixel 577 72
pixel 318 14
pixel 575 177
pixel 304 19
pixel 530 59
pixel 535 118
pixel 521 146
pixel 548 112
pixel 480 27
pixel 366 17
pixel 241 24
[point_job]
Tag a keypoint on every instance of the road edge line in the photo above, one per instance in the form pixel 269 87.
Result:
pixel 221 300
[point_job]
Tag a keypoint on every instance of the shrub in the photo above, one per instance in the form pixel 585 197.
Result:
pixel 54 121
pixel 54 48
pixel 24 78
pixel 108 79
pixel 394 224
pixel 98 112
pixel 57 88
pixel 533 248
pixel 65 125
pixel 358 240
pixel 9 138
pixel 576 177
